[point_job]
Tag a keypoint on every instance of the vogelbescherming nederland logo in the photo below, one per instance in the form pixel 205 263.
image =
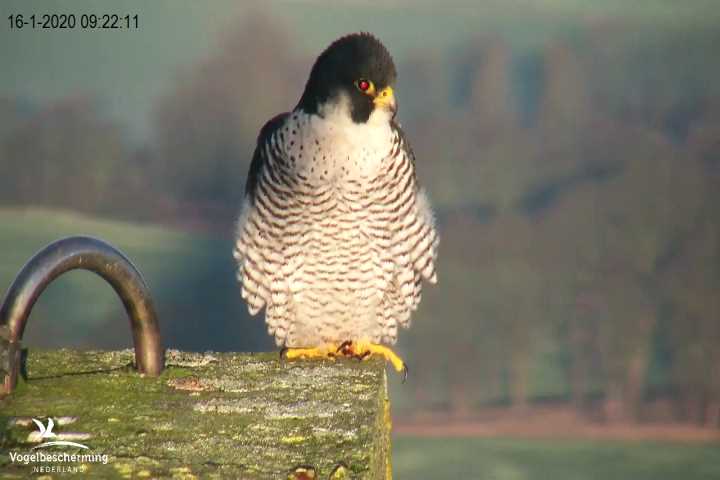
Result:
pixel 46 432
pixel 46 461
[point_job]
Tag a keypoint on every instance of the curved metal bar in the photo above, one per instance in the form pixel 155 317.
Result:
pixel 101 258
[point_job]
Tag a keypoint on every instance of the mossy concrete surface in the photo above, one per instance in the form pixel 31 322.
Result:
pixel 212 415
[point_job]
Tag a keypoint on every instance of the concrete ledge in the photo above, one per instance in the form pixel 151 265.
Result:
pixel 213 415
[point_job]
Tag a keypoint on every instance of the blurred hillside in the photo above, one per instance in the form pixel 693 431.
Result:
pixel 573 156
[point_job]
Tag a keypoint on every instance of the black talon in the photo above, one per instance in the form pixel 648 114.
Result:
pixel 283 351
pixel 405 372
pixel 343 346
pixel 363 355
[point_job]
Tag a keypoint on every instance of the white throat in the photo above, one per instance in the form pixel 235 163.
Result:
pixel 330 147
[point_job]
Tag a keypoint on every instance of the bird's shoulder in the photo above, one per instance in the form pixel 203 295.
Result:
pixel 259 157
pixel 271 126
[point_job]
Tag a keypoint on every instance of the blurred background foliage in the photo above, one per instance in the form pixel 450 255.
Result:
pixel 571 148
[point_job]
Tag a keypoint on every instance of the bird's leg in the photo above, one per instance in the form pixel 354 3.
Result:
pixel 328 350
pixel 362 350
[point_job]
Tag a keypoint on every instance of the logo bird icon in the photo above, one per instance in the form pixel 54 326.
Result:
pixel 45 432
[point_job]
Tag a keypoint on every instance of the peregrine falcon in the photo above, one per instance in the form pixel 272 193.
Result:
pixel 335 235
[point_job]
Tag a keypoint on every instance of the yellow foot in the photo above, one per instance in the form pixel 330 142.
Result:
pixel 328 350
pixel 363 350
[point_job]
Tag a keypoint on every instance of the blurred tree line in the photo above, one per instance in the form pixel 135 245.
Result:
pixel 576 185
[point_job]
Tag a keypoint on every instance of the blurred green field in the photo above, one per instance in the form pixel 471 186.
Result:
pixel 510 459
pixel 191 277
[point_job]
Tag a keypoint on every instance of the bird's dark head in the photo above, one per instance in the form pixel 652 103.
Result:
pixel 356 68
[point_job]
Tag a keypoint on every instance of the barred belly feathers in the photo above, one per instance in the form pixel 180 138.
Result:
pixel 335 236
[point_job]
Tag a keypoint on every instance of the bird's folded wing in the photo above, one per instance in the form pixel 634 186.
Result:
pixel 414 238
pixel 258 248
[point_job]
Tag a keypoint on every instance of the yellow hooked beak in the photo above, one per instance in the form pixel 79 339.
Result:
pixel 385 98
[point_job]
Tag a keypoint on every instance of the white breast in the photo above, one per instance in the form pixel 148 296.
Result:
pixel 337 240
pixel 334 278
pixel 331 148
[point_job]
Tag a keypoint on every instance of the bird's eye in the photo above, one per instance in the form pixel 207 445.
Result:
pixel 363 85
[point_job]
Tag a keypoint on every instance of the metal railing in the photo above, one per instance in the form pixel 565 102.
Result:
pixel 85 253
